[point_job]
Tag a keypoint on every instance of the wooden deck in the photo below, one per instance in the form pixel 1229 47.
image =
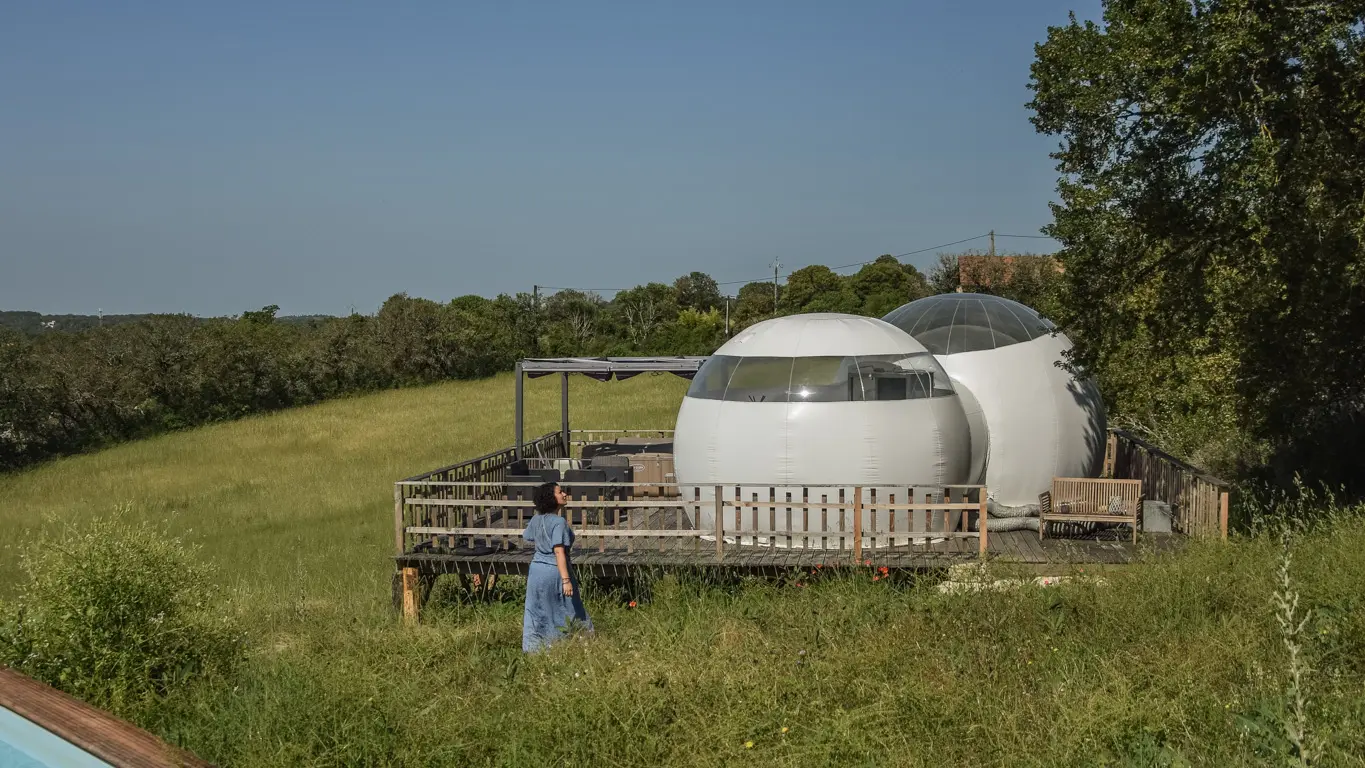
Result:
pixel 1018 547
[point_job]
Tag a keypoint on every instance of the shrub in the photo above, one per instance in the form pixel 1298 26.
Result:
pixel 118 614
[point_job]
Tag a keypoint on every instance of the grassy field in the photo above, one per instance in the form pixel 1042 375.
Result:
pixel 1172 662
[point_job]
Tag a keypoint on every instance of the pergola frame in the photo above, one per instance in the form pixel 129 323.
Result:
pixel 600 368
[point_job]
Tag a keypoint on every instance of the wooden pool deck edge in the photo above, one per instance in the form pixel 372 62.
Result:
pixel 109 738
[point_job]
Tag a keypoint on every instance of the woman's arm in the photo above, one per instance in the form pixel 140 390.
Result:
pixel 563 562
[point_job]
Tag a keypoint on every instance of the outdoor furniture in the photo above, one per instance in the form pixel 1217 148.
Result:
pixel 1090 500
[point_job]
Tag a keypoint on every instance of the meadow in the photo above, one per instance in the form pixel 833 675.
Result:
pixel 1184 660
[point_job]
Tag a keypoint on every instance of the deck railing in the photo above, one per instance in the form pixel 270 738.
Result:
pixel 1199 501
pixel 488 471
pixel 858 522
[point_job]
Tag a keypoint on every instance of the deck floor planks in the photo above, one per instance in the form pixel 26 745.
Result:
pixel 504 553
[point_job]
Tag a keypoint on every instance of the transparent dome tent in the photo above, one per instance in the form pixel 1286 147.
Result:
pixel 952 323
pixel 1030 419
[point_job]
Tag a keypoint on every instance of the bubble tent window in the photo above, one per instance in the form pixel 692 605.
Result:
pixel 822 379
pixel 951 323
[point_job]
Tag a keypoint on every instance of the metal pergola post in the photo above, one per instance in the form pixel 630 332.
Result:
pixel 520 414
pixel 564 412
pixel 600 368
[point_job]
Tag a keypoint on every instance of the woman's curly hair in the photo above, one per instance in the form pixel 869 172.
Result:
pixel 544 498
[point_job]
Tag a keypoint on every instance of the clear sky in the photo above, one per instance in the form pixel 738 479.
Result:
pixel 216 157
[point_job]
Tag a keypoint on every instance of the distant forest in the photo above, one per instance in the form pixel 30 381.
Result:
pixel 84 382
pixel 36 323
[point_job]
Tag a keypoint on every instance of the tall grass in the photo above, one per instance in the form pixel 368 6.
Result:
pixel 1174 661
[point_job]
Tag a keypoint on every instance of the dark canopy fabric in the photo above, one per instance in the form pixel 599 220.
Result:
pixel 607 368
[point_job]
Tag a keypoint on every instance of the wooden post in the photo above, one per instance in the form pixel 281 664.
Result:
pixel 1111 455
pixel 410 595
pixel 858 525
pixel 720 523
pixel 1223 514
pixel 398 519
pixel 982 542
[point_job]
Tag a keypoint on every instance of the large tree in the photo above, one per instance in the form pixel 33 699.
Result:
pixel 1213 161
pixel 697 290
pixel 886 284
pixel 817 289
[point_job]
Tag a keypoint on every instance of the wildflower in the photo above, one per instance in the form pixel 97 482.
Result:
pixel 632 603
pixel 748 745
pixel 876 578
pixel 885 570
pixel 867 563
pixel 784 729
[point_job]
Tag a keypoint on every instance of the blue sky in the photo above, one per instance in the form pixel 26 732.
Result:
pixel 213 158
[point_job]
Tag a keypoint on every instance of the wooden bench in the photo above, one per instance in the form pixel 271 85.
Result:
pixel 1090 500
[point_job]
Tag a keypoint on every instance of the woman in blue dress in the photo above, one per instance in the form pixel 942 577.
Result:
pixel 553 605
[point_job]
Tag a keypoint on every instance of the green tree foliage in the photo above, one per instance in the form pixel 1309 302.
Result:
pixel 754 303
pixel 886 284
pixel 943 276
pixel 697 290
pixel 817 289
pixel 641 313
pixel 573 324
pixel 117 614
pixel 63 392
pixel 1210 209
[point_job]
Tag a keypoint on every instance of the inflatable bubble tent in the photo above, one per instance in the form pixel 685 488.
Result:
pixel 1030 419
pixel 952 389
pixel 826 401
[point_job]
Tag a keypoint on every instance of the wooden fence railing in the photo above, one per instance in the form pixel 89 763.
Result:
pixel 1199 501
pixel 862 521
pixel 488 472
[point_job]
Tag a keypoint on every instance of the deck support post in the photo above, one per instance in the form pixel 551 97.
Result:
pixel 858 525
pixel 518 413
pixel 982 542
pixel 398 519
pixel 564 413
pixel 410 599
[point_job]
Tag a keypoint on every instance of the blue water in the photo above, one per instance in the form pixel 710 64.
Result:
pixel 24 744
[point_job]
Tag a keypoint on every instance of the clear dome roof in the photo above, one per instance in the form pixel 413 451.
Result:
pixel 968 322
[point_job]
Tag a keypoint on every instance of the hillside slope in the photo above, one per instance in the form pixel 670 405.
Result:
pixel 304 497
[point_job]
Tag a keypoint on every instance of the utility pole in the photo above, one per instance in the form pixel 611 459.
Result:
pixel 535 320
pixel 776 266
pixel 727 317
pixel 992 243
pixel 101 314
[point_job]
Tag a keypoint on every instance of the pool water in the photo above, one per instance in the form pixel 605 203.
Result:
pixel 25 744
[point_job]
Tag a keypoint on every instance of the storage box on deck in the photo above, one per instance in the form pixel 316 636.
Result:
pixel 653 468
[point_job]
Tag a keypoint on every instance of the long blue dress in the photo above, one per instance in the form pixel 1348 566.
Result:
pixel 549 613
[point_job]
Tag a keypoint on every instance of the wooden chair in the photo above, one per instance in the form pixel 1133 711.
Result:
pixel 1090 500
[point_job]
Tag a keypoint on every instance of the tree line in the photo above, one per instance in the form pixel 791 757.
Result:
pixel 62 392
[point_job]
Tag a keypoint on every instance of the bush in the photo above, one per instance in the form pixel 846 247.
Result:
pixel 118 614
